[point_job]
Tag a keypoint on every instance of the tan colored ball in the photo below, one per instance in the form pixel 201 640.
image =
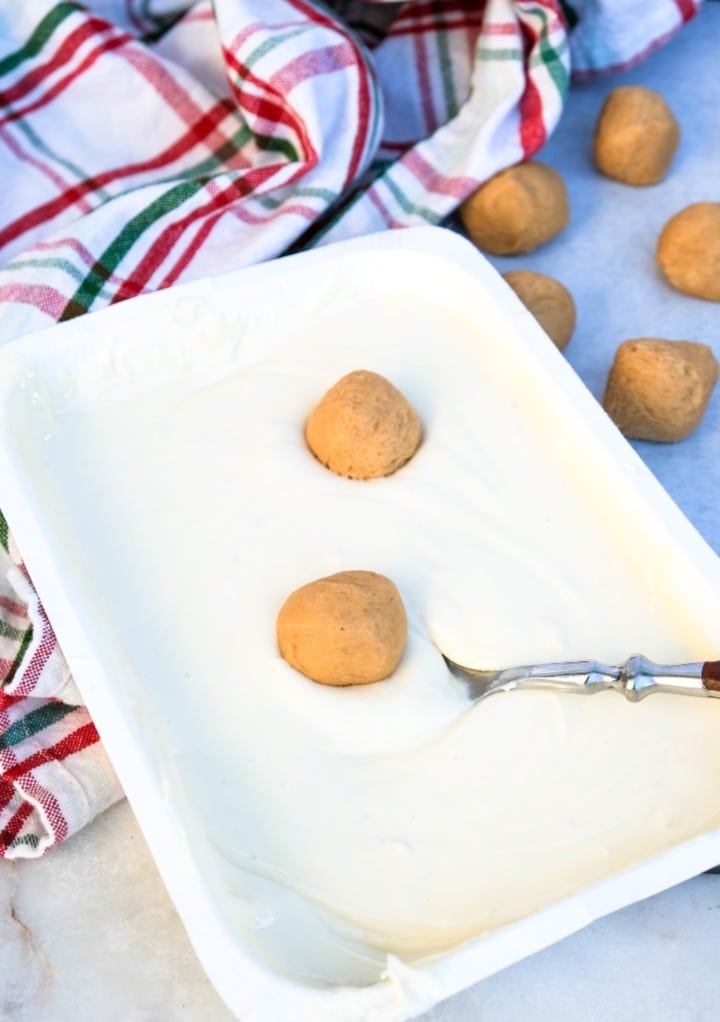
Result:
pixel 363 427
pixel 658 389
pixel 517 210
pixel 548 300
pixel 688 250
pixel 636 136
pixel 346 629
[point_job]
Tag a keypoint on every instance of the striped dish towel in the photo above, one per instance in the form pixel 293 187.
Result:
pixel 148 142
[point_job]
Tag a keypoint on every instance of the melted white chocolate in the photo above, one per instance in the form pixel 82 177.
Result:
pixel 394 817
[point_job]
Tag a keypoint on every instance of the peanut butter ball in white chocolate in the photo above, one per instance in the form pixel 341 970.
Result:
pixel 363 427
pixel 517 210
pixel 636 136
pixel 345 629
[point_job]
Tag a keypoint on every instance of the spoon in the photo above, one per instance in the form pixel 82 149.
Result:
pixel 635 679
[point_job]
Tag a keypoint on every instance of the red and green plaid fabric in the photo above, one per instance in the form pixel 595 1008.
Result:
pixel 54 773
pixel 148 142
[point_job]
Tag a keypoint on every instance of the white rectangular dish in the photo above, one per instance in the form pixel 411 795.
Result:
pixel 345 855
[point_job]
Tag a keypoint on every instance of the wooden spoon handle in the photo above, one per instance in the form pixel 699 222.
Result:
pixel 711 675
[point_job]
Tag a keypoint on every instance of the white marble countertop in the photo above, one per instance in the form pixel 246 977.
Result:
pixel 88 934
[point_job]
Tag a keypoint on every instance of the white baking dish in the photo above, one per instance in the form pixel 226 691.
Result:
pixel 140 539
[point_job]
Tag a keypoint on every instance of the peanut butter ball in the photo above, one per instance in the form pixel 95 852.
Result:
pixel 346 629
pixel 548 300
pixel 517 210
pixel 363 427
pixel 659 390
pixel 636 136
pixel 688 250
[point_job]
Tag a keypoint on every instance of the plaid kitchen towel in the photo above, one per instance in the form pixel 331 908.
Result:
pixel 148 142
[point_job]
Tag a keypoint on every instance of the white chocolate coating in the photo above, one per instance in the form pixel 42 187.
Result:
pixel 415 820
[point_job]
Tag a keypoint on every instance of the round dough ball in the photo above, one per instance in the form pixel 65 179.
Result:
pixel 688 250
pixel 548 300
pixel 659 390
pixel 636 136
pixel 346 629
pixel 517 210
pixel 363 427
